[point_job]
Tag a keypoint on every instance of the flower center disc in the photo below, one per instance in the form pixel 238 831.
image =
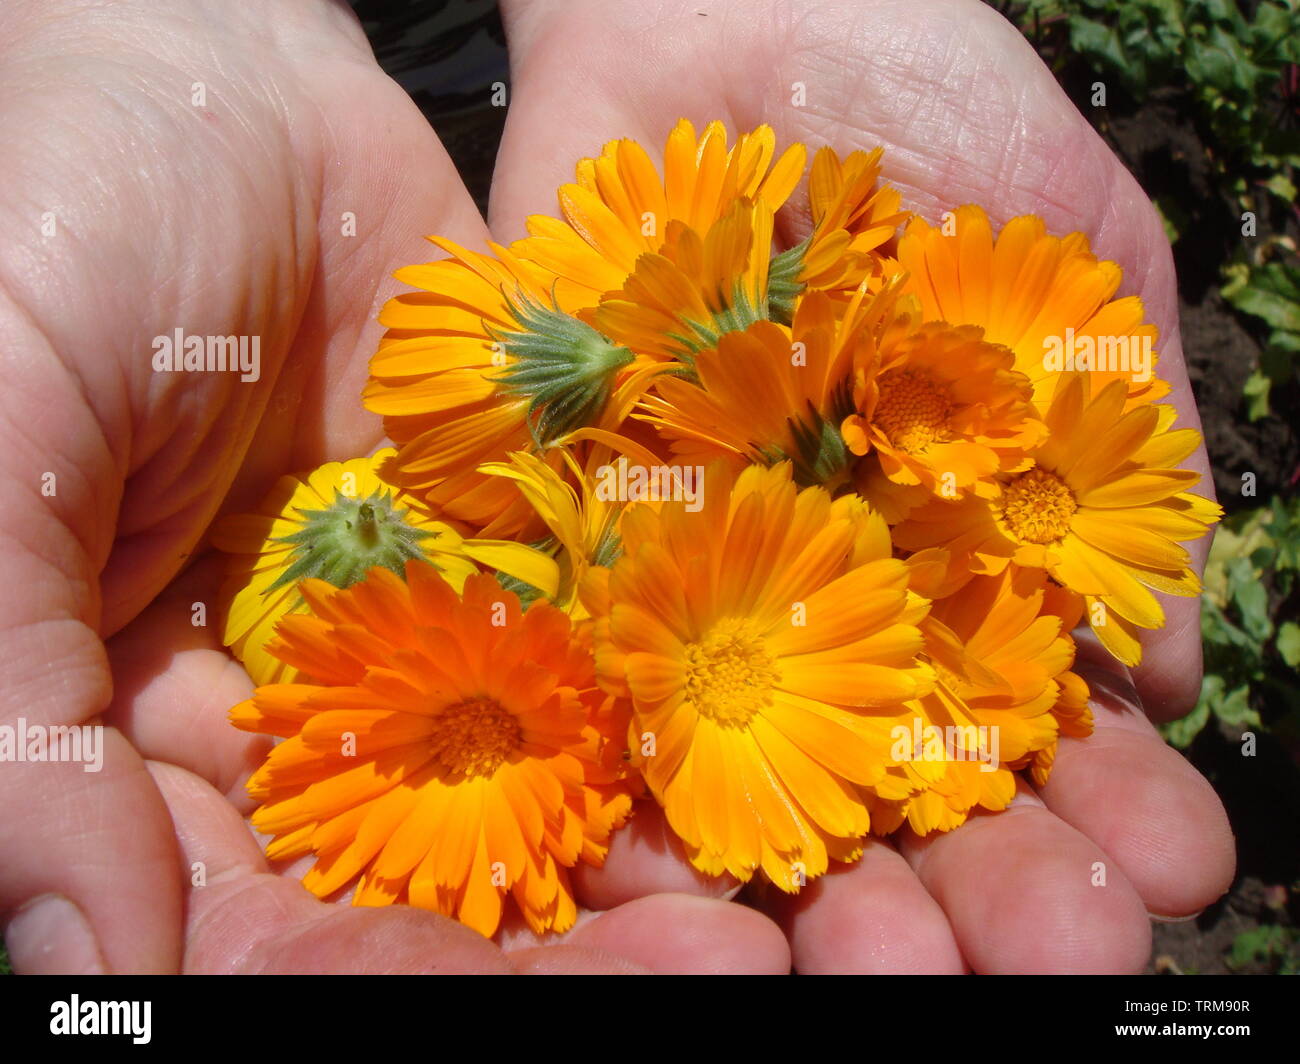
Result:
pixel 729 675
pixel 913 410
pixel 1037 506
pixel 472 738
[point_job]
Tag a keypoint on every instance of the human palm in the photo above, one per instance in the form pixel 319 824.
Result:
pixel 230 218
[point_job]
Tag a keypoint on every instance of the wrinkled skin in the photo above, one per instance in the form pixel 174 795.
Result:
pixel 227 219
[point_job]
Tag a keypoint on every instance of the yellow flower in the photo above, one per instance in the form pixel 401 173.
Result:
pixel 1002 652
pixel 335 523
pixel 768 643
pixel 1102 510
pixel 620 208
pixel 1035 294
pixel 583 523
pixel 452 751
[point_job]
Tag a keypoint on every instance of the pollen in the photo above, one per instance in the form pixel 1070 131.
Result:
pixel 473 738
pixel 1037 507
pixel 729 674
pixel 913 410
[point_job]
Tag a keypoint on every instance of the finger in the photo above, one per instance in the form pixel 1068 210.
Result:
pixel 658 934
pixel 174 685
pixel 1026 893
pixel 87 872
pixel 216 844
pixel 245 920
pixel 682 934
pixel 869 918
pixel 1138 799
pixel 572 960
pixel 645 857
pixel 1168 678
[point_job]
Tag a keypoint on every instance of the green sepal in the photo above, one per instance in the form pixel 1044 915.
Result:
pixel 783 284
pixel 821 455
pixel 342 543
pixel 562 365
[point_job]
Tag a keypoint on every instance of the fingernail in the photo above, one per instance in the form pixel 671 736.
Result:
pixel 1157 918
pixel 50 936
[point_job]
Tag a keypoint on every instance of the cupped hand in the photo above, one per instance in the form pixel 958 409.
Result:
pixel 1065 879
pixel 228 218
pixel 226 170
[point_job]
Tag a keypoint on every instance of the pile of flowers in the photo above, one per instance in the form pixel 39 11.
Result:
pixel 789 543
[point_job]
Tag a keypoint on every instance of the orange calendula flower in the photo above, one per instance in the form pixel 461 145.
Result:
pixel 855 221
pixel 1002 652
pixel 768 643
pixel 1049 299
pixel 941 410
pixel 452 750
pixel 697 287
pixel 1103 510
pixel 481 363
pixel 620 208
pixel 771 392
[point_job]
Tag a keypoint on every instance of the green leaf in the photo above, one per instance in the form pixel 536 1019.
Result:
pixel 1256 391
pixel 1255 944
pixel 1234 709
pixel 1181 733
pixel 1216 10
pixel 1251 600
pixel 1100 44
pixel 1277 28
pixel 1282 344
pixel 1272 293
pixel 1211 64
pixel 1288 643
pixel 1274 944
pixel 1216 628
pixel 1282 187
